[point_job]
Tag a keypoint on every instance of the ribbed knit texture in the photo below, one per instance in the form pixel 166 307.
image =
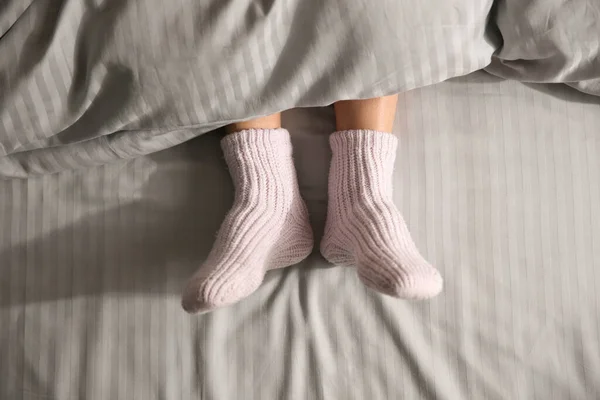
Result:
pixel 267 227
pixel 364 228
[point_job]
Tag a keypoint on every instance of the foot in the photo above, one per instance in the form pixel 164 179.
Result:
pixel 364 228
pixel 267 227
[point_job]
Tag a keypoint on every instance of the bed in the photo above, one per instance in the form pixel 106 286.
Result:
pixel 499 182
pixel 113 185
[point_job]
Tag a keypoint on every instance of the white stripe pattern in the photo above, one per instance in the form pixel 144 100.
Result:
pixel 84 83
pixel 499 183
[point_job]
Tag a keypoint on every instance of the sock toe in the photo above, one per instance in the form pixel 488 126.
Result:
pixel 405 285
pixel 420 287
pixel 201 295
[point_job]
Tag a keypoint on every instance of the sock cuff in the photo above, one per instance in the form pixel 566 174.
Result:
pixel 364 142
pixel 257 144
pixel 257 138
pixel 262 156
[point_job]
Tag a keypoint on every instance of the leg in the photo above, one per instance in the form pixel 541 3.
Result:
pixel 364 228
pixel 272 121
pixel 371 114
pixel 266 228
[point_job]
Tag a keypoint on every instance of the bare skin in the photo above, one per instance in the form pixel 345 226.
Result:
pixel 374 114
pixel 272 121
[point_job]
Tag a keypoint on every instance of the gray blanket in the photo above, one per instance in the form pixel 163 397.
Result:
pixel 549 41
pixel 88 82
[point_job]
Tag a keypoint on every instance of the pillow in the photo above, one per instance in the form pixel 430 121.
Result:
pixel 549 41
pixel 89 82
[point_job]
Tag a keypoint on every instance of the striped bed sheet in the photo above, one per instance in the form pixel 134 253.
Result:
pixel 500 185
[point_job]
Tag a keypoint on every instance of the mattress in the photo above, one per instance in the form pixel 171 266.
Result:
pixel 499 183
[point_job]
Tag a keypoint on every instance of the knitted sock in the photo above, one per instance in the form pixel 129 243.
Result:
pixel 266 228
pixel 364 228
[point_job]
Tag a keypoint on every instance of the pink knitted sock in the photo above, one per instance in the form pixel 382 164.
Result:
pixel 266 228
pixel 364 228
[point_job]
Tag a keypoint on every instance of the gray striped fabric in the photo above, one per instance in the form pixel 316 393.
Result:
pixel 549 41
pixel 499 183
pixel 87 82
